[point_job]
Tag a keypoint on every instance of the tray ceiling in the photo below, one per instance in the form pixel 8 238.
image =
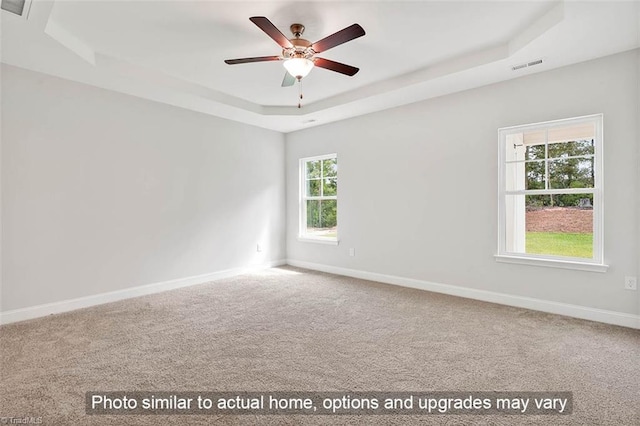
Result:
pixel 173 51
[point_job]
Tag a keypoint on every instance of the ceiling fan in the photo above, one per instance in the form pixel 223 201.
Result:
pixel 298 54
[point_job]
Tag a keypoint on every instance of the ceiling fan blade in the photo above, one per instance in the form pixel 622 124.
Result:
pixel 347 34
pixel 249 60
pixel 336 66
pixel 265 25
pixel 288 80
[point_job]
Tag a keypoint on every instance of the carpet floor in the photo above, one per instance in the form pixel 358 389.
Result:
pixel 288 329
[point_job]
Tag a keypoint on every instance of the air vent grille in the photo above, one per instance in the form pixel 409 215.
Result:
pixel 526 65
pixel 17 7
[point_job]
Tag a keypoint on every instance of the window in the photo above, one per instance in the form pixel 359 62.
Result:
pixel 319 198
pixel 550 210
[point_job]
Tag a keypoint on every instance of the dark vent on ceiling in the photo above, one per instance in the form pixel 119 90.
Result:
pixel 526 65
pixel 17 7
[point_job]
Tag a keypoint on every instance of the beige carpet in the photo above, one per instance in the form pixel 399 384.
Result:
pixel 288 329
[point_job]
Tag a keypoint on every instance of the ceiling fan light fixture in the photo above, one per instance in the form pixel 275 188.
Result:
pixel 298 67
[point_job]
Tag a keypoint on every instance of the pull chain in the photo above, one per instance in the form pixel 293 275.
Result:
pixel 300 92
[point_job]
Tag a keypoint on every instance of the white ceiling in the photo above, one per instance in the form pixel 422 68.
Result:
pixel 173 51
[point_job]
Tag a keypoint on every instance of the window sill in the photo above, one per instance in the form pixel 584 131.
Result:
pixel 318 241
pixel 552 263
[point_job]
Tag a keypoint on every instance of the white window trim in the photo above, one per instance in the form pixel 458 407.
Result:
pixel 327 241
pixel 531 260
pixel 597 263
pixel 302 211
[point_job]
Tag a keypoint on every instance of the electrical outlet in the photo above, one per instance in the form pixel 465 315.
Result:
pixel 630 283
pixel 259 247
pixel 352 252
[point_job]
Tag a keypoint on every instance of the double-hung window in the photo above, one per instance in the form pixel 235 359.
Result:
pixel 319 198
pixel 550 193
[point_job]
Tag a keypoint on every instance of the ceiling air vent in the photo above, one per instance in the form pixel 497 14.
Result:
pixel 526 65
pixel 17 7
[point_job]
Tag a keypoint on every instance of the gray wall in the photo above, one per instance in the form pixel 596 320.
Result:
pixel 103 191
pixel 418 185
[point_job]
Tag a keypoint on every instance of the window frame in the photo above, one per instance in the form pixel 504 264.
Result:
pixel 596 263
pixel 302 198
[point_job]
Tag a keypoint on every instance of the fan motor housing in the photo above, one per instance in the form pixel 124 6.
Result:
pixel 300 43
pixel 300 49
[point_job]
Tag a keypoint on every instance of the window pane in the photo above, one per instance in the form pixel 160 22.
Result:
pixel 559 225
pixel 313 188
pixel 322 218
pixel 330 167
pixel 313 214
pixel 535 152
pixel 535 175
pixel 571 173
pixel 571 149
pixel 313 169
pixel 330 187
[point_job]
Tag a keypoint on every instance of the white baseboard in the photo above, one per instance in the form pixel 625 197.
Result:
pixel 582 312
pixel 127 293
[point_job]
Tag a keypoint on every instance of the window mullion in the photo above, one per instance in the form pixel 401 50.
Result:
pixel 321 177
pixel 551 191
pixel 324 197
pixel 546 159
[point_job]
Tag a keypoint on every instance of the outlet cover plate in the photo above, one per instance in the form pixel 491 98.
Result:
pixel 630 283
